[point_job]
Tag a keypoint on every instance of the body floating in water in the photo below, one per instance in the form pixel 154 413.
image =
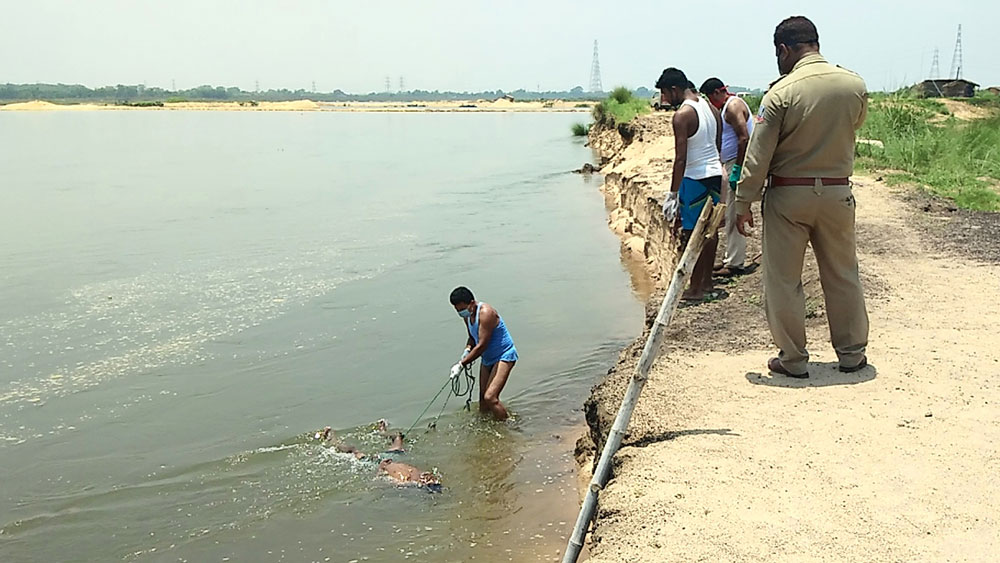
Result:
pixel 400 473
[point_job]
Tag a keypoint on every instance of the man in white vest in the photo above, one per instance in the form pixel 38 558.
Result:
pixel 697 170
pixel 737 123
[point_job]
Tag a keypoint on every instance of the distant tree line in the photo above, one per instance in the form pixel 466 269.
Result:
pixel 123 93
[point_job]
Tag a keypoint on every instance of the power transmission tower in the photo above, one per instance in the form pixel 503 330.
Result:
pixel 256 85
pixel 388 85
pixel 935 66
pixel 956 59
pixel 314 86
pixel 173 85
pixel 402 84
pixel 595 72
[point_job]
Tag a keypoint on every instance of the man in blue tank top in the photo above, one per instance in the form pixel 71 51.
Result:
pixel 487 339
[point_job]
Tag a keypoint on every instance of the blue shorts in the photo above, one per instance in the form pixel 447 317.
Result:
pixel 508 355
pixel 693 195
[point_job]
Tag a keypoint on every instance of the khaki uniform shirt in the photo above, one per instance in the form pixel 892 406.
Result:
pixel 805 127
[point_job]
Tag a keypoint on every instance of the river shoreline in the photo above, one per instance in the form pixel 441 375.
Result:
pixel 458 106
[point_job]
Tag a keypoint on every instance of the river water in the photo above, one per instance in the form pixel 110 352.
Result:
pixel 186 297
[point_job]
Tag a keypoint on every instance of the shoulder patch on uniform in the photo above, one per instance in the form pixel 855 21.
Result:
pixel 759 118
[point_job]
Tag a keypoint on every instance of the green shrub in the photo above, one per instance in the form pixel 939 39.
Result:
pixel 580 130
pixel 141 104
pixel 621 106
pixel 621 94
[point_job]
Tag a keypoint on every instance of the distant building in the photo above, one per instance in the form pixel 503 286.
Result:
pixel 947 88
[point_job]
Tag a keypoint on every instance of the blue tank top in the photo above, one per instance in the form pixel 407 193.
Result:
pixel 500 346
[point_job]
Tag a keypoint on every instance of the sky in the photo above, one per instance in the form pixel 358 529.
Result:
pixel 473 45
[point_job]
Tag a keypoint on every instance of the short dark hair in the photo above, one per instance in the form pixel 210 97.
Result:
pixel 672 77
pixel 711 85
pixel 461 294
pixel 794 31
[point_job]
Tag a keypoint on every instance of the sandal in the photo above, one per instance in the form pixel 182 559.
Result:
pixel 774 364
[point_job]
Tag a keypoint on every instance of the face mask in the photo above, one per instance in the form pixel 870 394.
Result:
pixel 465 313
pixel 718 105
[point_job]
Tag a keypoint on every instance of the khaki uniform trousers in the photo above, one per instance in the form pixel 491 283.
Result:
pixel 824 216
pixel 736 244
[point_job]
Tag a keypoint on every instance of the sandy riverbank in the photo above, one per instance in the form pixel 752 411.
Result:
pixel 500 105
pixel 898 462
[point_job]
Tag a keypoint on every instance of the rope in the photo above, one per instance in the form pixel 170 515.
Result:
pixel 456 390
pixel 427 407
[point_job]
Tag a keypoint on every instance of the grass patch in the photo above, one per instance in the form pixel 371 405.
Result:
pixel 899 178
pixel 621 106
pixel 950 158
pixel 985 99
pixel 580 129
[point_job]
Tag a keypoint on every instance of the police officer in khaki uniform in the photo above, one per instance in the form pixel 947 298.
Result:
pixel 802 146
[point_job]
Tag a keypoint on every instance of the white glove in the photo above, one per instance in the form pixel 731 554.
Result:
pixel 465 353
pixel 671 207
pixel 456 370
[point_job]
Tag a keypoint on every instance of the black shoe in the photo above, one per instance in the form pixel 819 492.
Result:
pixel 861 365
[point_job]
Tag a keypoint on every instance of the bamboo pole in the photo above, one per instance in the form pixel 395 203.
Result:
pixel 708 224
